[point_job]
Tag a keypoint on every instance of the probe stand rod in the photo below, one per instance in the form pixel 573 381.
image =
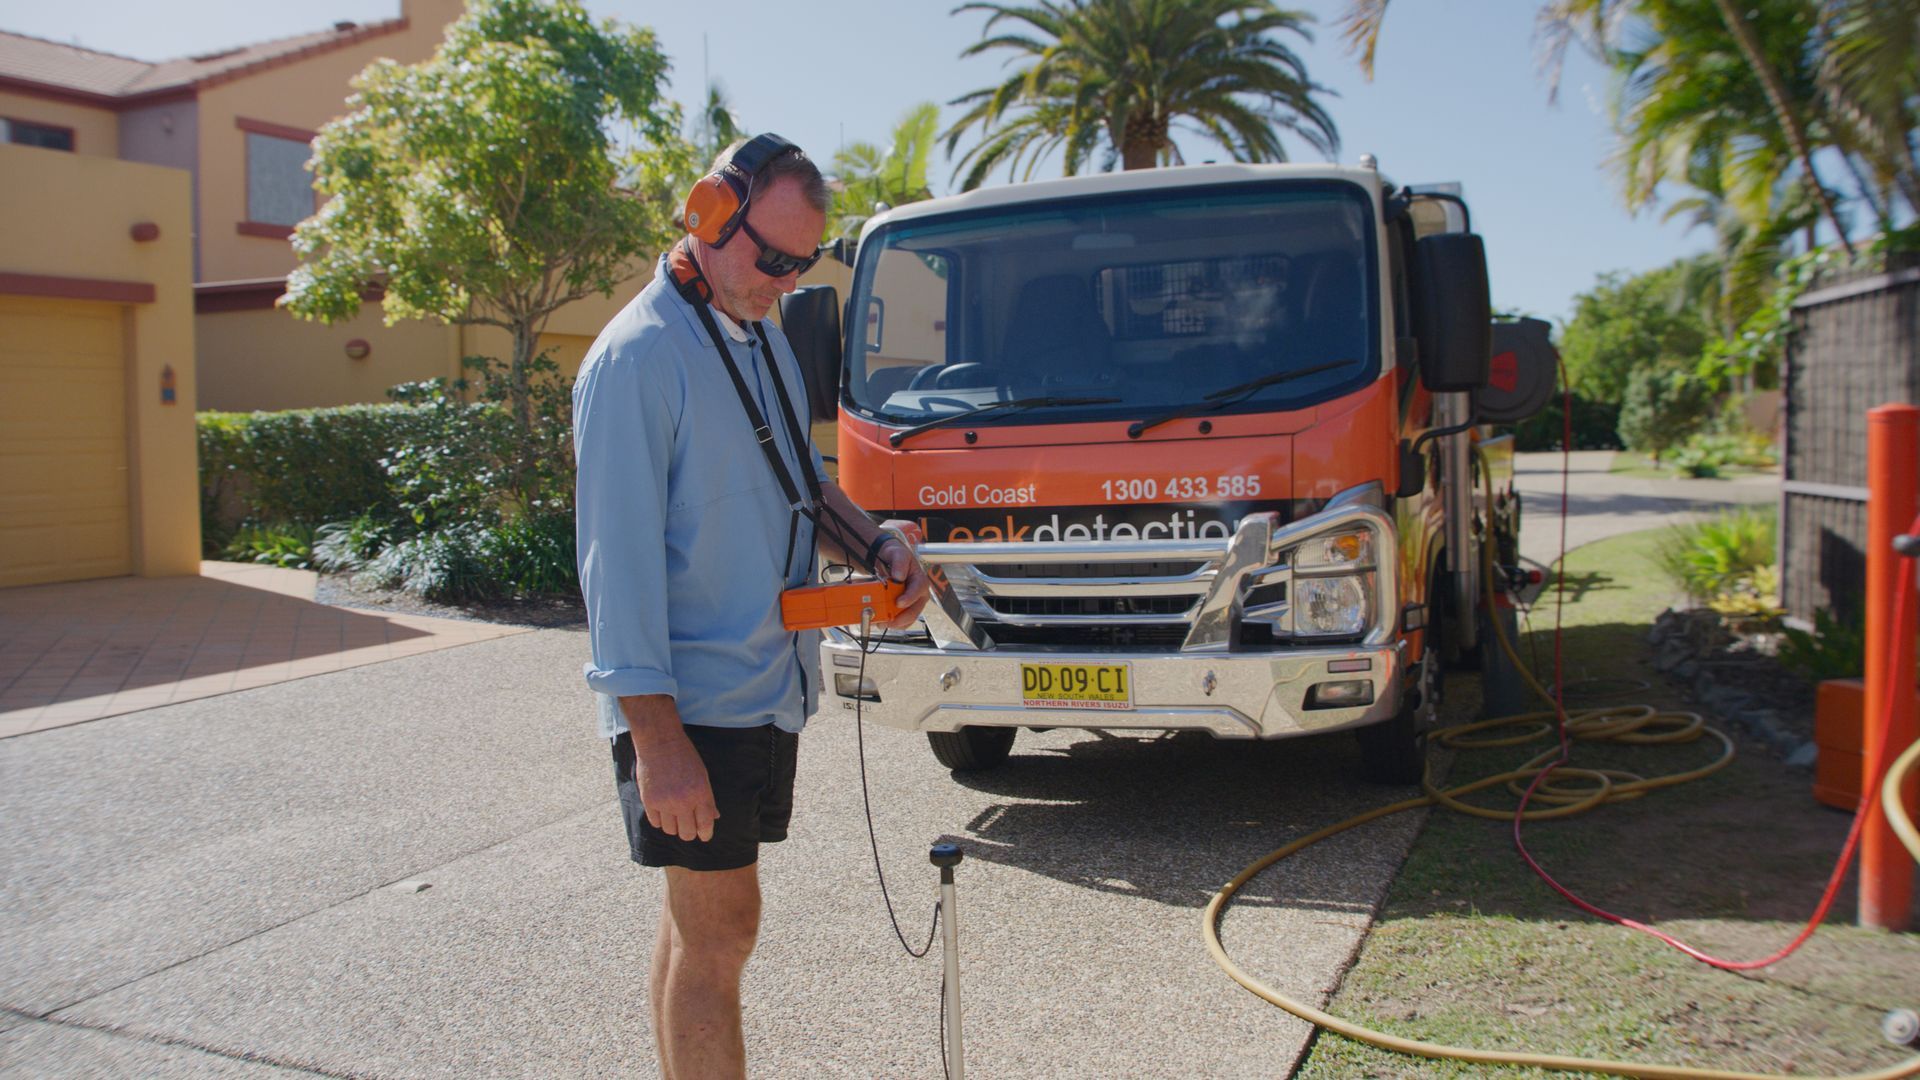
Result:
pixel 946 856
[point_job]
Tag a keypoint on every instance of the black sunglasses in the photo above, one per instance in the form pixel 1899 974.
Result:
pixel 776 263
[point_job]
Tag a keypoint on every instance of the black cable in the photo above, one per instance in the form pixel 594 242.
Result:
pixel 866 803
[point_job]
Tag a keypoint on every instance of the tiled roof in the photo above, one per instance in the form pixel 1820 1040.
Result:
pixel 86 71
pixel 67 66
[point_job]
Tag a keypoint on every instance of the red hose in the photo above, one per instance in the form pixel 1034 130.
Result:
pixel 1902 603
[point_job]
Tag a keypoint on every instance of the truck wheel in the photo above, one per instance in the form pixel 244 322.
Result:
pixel 972 748
pixel 1393 752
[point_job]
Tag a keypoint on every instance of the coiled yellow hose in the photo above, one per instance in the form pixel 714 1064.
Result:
pixel 1625 724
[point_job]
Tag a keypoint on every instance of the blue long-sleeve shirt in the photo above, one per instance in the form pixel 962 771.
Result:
pixel 682 524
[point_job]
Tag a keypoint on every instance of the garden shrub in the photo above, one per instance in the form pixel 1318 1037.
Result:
pixel 1661 408
pixel 442 497
pixel 1709 558
pixel 1832 650
pixel 1594 424
pixel 302 467
pixel 285 545
pixel 345 546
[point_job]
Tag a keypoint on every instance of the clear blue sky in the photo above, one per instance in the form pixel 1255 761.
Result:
pixel 1456 98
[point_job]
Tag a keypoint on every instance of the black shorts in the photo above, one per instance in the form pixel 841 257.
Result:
pixel 751 770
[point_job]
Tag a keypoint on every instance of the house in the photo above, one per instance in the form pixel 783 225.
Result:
pixel 240 122
pixel 95 149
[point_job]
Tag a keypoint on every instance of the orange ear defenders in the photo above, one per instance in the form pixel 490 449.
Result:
pixel 718 203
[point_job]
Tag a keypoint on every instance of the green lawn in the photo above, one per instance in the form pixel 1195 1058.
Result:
pixel 1631 463
pixel 1472 949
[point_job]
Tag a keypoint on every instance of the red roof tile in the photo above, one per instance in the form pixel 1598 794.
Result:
pixel 90 72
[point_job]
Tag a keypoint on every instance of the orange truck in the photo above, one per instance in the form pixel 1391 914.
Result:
pixel 1202 448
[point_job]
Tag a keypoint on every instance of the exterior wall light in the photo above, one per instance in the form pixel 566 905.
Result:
pixel 358 349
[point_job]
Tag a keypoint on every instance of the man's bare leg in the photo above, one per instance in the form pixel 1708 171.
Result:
pixel 713 917
pixel 657 988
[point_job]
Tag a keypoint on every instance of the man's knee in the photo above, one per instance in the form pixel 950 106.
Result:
pixel 715 915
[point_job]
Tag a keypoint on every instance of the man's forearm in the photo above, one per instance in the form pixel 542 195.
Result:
pixel 652 718
pixel 846 530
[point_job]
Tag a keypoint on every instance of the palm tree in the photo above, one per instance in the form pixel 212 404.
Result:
pixel 897 175
pixel 1870 73
pixel 1117 75
pixel 1771 60
pixel 720 125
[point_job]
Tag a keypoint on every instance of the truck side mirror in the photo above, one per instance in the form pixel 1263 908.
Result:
pixel 810 317
pixel 1452 311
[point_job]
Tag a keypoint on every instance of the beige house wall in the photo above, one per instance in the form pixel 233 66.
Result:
pixel 70 218
pixel 96 131
pixel 305 96
pixel 267 359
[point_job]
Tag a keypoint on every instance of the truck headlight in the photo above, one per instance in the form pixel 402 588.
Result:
pixel 1330 606
pixel 1340 549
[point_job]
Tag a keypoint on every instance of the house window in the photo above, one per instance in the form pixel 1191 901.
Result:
pixel 279 187
pixel 28 133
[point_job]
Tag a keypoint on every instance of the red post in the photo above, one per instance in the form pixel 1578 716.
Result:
pixel 1893 478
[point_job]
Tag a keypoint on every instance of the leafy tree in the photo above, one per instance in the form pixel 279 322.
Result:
pixel 1870 73
pixel 720 123
pixel 1662 407
pixel 896 176
pixel 1628 324
pixel 478 187
pixel 1116 76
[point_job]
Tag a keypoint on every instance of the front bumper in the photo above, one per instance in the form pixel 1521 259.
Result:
pixel 1231 695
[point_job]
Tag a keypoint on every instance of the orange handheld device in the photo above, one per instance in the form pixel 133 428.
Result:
pixel 846 604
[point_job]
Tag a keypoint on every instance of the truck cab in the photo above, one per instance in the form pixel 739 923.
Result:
pixel 1193 448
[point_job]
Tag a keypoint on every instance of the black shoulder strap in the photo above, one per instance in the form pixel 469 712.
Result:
pixel 786 410
pixel 762 431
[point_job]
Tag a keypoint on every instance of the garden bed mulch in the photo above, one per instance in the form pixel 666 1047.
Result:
pixel 543 612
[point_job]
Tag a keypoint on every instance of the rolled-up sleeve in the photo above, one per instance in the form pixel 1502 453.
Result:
pixel 623 435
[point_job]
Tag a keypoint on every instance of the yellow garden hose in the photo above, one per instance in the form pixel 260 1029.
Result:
pixel 1641 724
pixel 1890 800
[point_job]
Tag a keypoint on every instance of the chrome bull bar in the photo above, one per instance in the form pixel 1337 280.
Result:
pixel 977 586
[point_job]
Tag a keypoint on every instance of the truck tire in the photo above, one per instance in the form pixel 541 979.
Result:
pixel 972 748
pixel 1393 752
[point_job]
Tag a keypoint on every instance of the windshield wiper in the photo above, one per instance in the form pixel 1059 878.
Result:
pixel 1220 399
pixel 899 437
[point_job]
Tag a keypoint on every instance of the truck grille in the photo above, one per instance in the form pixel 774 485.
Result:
pixel 1158 638
pixel 1144 595
pixel 1172 607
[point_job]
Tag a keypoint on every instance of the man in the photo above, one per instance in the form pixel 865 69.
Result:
pixel 686 539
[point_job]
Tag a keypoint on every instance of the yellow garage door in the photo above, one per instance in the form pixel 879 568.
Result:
pixel 63 441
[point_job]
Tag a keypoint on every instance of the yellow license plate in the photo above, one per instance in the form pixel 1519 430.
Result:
pixel 1076 686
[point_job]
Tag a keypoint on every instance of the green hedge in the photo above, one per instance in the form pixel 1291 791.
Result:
pixel 304 466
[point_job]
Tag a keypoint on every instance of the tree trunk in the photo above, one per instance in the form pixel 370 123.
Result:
pixel 1777 97
pixel 520 398
pixel 1142 142
pixel 519 389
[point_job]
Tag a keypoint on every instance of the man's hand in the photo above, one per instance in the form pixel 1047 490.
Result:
pixel 898 563
pixel 674 788
pixel 673 780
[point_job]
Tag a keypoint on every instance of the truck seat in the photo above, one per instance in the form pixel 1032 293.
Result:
pixel 1056 336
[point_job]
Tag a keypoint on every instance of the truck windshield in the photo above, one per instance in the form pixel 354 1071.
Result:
pixel 1126 305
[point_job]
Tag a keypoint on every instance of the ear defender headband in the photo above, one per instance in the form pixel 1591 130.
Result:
pixel 718 203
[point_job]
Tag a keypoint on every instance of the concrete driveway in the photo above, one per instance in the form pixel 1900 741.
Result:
pixel 231 886
pixel 416 868
pixel 1602 504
